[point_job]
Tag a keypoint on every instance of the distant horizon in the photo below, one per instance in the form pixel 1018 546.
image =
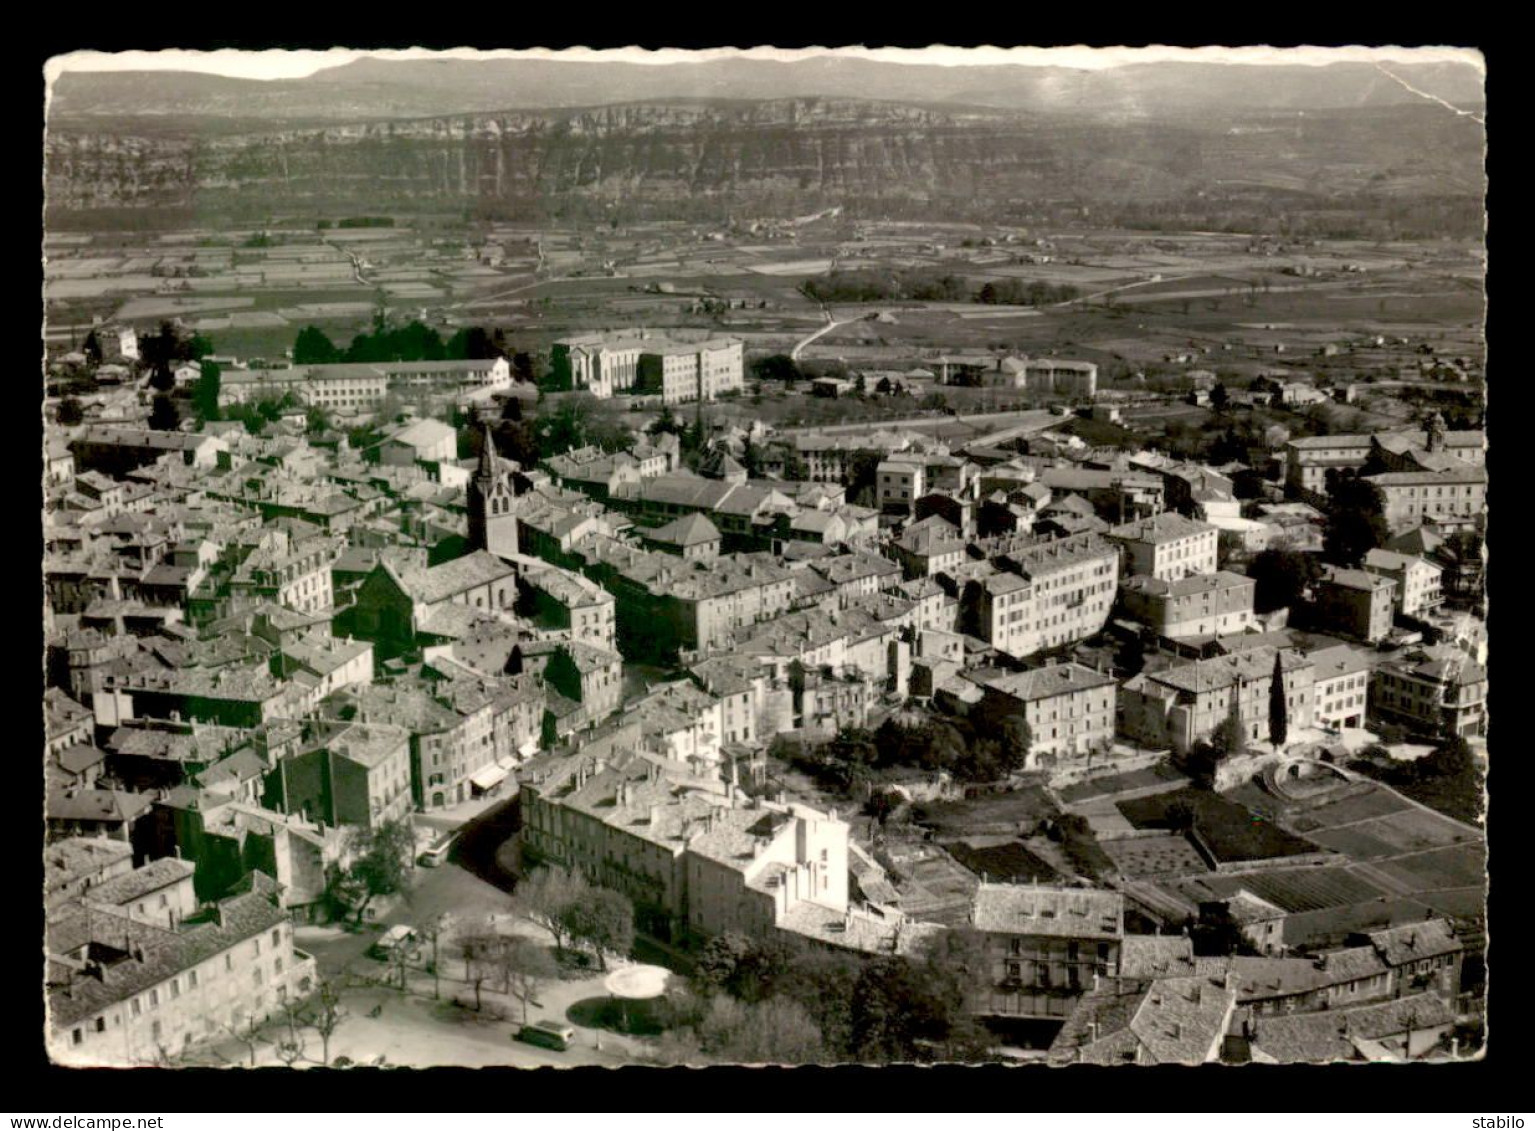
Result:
pixel 278 65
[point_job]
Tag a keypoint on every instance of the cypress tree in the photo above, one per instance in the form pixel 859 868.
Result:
pixel 1279 715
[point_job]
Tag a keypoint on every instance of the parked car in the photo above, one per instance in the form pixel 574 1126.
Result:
pixel 396 938
pixel 549 1034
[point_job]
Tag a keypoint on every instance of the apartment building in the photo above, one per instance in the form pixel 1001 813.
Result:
pixel 124 991
pixel 1167 546
pixel 1340 687
pixel 742 687
pixel 1070 708
pixel 857 575
pixel 1438 691
pixel 583 673
pixel 358 386
pixel 667 606
pixel 343 773
pixel 1419 582
pixel 900 480
pixel 115 450
pixel 928 547
pixel 1063 592
pixel 1046 946
pixel 1182 705
pixel 1209 604
pixel 567 603
pixel 464 734
pixel 292 572
pixel 1356 603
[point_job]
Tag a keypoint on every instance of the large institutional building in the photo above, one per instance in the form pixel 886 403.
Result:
pixel 607 365
pixel 360 385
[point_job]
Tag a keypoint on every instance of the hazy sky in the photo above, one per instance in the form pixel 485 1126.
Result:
pixel 296 64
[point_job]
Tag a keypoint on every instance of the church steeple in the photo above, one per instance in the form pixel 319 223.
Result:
pixel 487 468
pixel 491 523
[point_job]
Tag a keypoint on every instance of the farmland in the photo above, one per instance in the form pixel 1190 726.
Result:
pixel 1152 303
pixel 1231 831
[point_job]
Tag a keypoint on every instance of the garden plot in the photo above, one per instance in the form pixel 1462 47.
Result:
pixel 1463 865
pixel 1145 857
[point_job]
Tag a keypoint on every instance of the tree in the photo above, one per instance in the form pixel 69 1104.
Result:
pixel 248 1033
pixel 1014 742
pixel 382 858
pixel 317 420
pixel 69 413
pixel 720 959
pixel 471 343
pixel 776 367
pixel 546 895
pixel 1281 578
pixel 432 930
pixel 914 1009
pixel 163 416
pixel 526 966
pixel 92 348
pixel 775 1031
pixel 1356 522
pixel 1279 715
pixel 1230 737
pixel 482 954
pixel 314 347
pixel 882 804
pixel 529 368
pixel 666 422
pixel 326 1013
pixel 1180 815
pixel 862 476
pixel 290 1050
pixel 162 380
pixel 604 920
pixel 205 393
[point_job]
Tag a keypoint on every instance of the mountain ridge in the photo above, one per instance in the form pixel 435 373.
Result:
pixel 374 88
